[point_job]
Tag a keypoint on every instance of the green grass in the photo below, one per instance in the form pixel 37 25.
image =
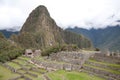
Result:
pixel 108 70
pixel 105 63
pixel 14 65
pixel 57 75
pixel 22 71
pixel 29 76
pixel 21 79
pixel 6 74
pixel 33 78
pixel 41 70
pixel 30 65
pixel 33 72
pixel 24 62
pixel 20 61
pixel 64 75
pixel 24 58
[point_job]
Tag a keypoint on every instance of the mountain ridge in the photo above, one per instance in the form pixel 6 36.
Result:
pixel 107 38
pixel 8 33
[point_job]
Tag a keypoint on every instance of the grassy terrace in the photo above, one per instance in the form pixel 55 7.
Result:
pixel 5 74
pixel 20 61
pixel 105 63
pixel 33 72
pixel 107 70
pixel 24 58
pixel 14 65
pixel 104 69
pixel 54 75
pixel 64 75
pixel 21 71
pixel 23 64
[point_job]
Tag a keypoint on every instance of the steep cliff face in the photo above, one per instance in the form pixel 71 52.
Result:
pixel 40 31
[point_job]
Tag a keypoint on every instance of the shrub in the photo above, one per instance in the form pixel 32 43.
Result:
pixel 57 48
pixel 8 49
pixel 97 49
pixel 70 47
pixel 50 50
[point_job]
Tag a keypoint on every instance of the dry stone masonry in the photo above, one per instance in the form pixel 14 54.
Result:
pixel 104 66
pixel 63 60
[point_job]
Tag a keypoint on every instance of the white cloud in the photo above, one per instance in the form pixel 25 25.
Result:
pixel 83 13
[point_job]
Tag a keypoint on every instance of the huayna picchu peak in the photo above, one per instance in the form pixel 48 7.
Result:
pixel 40 31
pixel 38 19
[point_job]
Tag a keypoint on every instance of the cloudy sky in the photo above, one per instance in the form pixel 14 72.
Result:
pixel 82 13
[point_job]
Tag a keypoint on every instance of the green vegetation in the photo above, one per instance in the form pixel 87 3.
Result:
pixel 54 75
pixel 57 48
pixel 105 63
pixel 27 69
pixel 103 69
pixel 97 49
pixel 77 39
pixel 14 65
pixel 108 37
pixel 64 75
pixel 24 58
pixel 5 74
pixel 8 49
pixel 50 50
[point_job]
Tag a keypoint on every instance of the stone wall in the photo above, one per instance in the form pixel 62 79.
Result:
pixel 113 54
pixel 63 60
pixel 68 57
pixel 102 72
pixel 103 58
pixel 102 65
pixel 56 66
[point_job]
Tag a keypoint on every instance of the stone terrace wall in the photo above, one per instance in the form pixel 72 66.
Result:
pixel 56 66
pixel 76 58
pixel 63 60
pixel 104 58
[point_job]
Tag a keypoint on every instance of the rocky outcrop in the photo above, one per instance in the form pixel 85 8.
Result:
pixel 40 31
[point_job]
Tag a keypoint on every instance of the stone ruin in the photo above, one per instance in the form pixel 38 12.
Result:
pixel 32 53
pixel 113 54
pixel 63 61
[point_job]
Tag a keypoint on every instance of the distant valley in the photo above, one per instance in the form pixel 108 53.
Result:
pixel 107 38
pixel 7 33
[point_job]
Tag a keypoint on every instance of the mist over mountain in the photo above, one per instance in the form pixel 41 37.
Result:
pixel 8 33
pixel 106 38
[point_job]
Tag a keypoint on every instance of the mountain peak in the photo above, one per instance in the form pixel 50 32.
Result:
pixel 37 19
pixel 41 7
pixel 40 31
pixel 39 11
